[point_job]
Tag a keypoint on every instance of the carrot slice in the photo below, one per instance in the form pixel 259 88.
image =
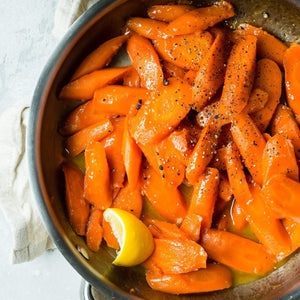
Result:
pixel 191 225
pixel 78 142
pixel 167 106
pixel 238 218
pixel 203 153
pixel 257 101
pixel 171 70
pixel 109 237
pixel 293 229
pixel 237 252
pixel 146 62
pixel 251 144
pixel 292 83
pixel 100 57
pixel 279 158
pixel 97 188
pixel 94 232
pixel 201 18
pixel 132 78
pixel 168 13
pixel 116 99
pixel 78 208
pixel 214 277
pixel 268 78
pixel 176 256
pixel 186 51
pixel 84 87
pixel 225 191
pixel 204 196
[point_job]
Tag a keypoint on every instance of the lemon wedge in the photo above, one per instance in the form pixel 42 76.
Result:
pixel 135 239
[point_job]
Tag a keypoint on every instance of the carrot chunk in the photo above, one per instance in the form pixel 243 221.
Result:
pixel 293 229
pixel 94 230
pixel 171 70
pixel 132 78
pixel 168 13
pixel 257 101
pixel 109 237
pixel 225 191
pixel 238 217
pixel 191 225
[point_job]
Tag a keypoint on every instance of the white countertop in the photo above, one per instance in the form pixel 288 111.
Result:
pixel 26 43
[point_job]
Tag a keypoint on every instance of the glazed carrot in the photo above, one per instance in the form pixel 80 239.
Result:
pixel 218 161
pixel 284 123
pixel 268 78
pixel 129 199
pixel 132 78
pixel 211 74
pixel 191 225
pixel 168 13
pixel 94 230
pixel 116 99
pixel 84 87
pixel 268 46
pixel 257 101
pixel 109 237
pixel 186 51
pixel 225 191
pixel 167 201
pixel 251 144
pixel 167 106
pixel 176 256
pixel 292 69
pixel 146 62
pixel 78 208
pixel 282 196
pixel 148 28
pixel 293 229
pixel 201 18
pixel 237 252
pixel 97 188
pixel 204 196
pixel 214 277
pixel 223 221
pixel 78 142
pixel 203 153
pixel 190 76
pixel 100 57
pixel 238 218
pixel 171 70
pixel 220 206
pixel 279 158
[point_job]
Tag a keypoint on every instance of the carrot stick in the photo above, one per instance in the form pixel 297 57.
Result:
pixel 201 18
pixel 78 208
pixel 176 256
pixel 237 252
pixel 238 218
pixel 146 62
pixel 225 191
pixel 97 188
pixel 109 237
pixel 168 13
pixel 100 57
pixel 78 142
pixel 257 101
pixel 214 277
pixel 94 230
pixel 84 87
pixel 191 225
pixel 268 78
pixel 132 79
pixel 171 70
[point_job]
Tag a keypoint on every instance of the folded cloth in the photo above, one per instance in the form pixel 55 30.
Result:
pixel 30 238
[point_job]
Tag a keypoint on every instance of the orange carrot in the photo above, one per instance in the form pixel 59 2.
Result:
pixel 132 78
pixel 225 191
pixel 146 62
pixel 257 101
pixel 214 277
pixel 100 57
pixel 223 220
pixel 219 161
pixel 171 70
pixel 78 208
pixel 97 188
pixel 186 51
pixel 109 237
pixel 238 218
pixel 190 76
pixel 176 256
pixel 237 252
pixel 84 87
pixel 94 230
pixel 201 18
pixel 220 206
pixel 78 142
pixel 191 225
pixel 268 78
pixel 168 13
pixel 293 229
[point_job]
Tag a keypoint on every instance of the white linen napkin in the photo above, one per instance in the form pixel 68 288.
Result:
pixel 30 238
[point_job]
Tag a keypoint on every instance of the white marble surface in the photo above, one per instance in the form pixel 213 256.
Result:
pixel 26 43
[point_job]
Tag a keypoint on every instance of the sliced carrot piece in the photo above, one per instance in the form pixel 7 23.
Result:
pixel 78 142
pixel 214 277
pixel 109 237
pixel 238 218
pixel 176 256
pixel 186 51
pixel 84 87
pixel 219 160
pixel 191 225
pixel 100 57
pixel 203 153
pixel 257 101
pixel 251 144
pixel 168 13
pixel 293 229
pixel 78 208
pixel 132 78
pixel 171 70
pixel 223 221
pixel 268 78
pixel 201 18
pixel 292 83
pixel 237 252
pixel 94 232
pixel 225 191
pixel 204 196
pixel 146 62
pixel 97 189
